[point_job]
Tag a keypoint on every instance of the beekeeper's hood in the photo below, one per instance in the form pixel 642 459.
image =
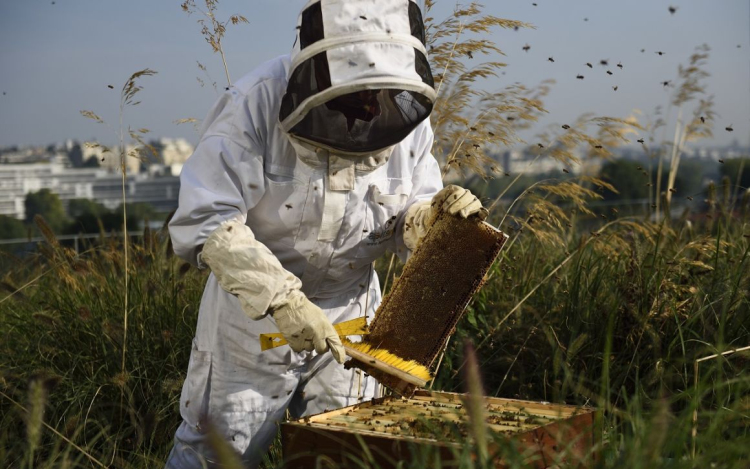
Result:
pixel 359 79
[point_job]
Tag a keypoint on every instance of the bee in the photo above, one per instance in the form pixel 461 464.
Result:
pixel 660 52
pixel 672 10
pixel 566 171
pixel 598 147
pixel 470 54
pixel 363 17
pixel 689 198
pixel 721 161
pixel 619 65
pixel 490 134
pixel 639 168
pixel 565 126
pixel 509 118
pixel 526 48
pixel 666 83
pixel 640 140
pixel 615 87
pixel 540 145
pixel 289 206
pixel 411 153
pixel 615 211
pixel 673 190
pixel 585 19
pixel 507 174
pixel 643 50
pixel 648 184
pixel 473 129
pixel 534 4
pixel 730 129
pixel 551 59
pixel 609 72
pixel 604 62
pixel 580 77
pixel 588 64
pixel 108 86
pixel 703 120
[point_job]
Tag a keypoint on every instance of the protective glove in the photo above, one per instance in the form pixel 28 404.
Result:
pixel 306 327
pixel 457 201
pixel 452 199
pixel 247 269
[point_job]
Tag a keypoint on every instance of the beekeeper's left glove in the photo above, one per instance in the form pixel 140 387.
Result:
pixel 452 199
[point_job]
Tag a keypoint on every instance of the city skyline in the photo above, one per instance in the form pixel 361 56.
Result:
pixel 60 58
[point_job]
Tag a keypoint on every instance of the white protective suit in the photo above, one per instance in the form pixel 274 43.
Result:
pixel 324 213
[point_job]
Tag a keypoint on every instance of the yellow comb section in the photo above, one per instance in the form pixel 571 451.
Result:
pixel 384 356
pixel 353 327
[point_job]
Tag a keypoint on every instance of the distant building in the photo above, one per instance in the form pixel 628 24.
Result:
pixel 99 184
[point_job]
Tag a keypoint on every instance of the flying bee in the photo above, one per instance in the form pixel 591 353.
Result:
pixel 588 64
pixel 672 10
pixel 615 87
pixel 565 126
pixel 580 77
pixel 721 161
pixel 604 62
pixel 566 171
pixel 666 83
pixel 551 59
pixel 598 147
pixel 526 48
pixel 110 87
pixel 640 140
pixel 730 129
pixel 540 145
pixel 703 120
pixel 619 65
pixel 609 72
pixel 689 198
pixel 672 190
pixel 289 206
pixel 471 56
pixel 660 52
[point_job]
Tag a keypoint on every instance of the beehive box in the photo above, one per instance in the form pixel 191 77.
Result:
pixel 395 429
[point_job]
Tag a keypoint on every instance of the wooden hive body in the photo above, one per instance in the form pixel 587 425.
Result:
pixel 396 429
pixel 426 302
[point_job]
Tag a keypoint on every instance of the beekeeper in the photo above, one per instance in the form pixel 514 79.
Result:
pixel 308 169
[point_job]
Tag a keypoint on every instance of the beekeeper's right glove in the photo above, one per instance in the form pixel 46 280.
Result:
pixel 306 327
pixel 246 268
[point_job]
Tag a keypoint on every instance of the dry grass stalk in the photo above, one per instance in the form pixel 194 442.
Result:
pixel 212 29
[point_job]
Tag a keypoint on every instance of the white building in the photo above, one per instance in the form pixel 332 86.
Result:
pixel 98 184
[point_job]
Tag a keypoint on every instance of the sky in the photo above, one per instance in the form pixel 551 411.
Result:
pixel 57 57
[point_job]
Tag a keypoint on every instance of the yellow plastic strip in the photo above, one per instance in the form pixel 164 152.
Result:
pixel 353 327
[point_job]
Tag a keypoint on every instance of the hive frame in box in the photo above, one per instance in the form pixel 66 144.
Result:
pixel 564 434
